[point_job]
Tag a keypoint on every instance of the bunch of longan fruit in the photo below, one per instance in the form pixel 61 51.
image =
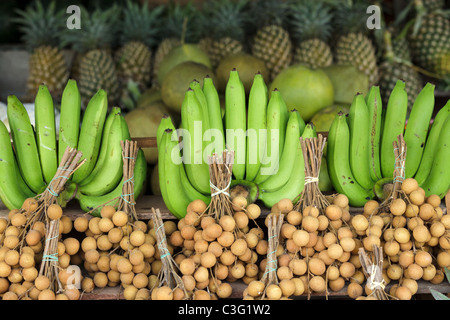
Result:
pixel 217 251
pixel 414 234
pixel 117 252
pixel 21 254
pixel 316 250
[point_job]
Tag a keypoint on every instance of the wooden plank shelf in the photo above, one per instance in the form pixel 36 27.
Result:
pixel 116 293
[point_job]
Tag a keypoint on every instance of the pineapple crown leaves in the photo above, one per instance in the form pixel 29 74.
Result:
pixel 140 23
pixel 41 26
pixel 265 13
pixel 350 16
pixel 224 18
pixel 181 22
pixel 98 30
pixel 310 19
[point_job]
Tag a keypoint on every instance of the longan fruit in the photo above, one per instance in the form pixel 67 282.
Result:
pixel 294 218
pixel 360 222
pixel 81 224
pixel 403 293
pixel 72 246
pixel 333 212
pixel 285 205
pixel 119 218
pixel 341 200
pixel 54 211
pixel 239 203
pixel 434 200
pixel 426 211
pixel 198 206
pixel 30 205
pixel 397 207
pixel 137 238
pixel 409 185
pixel 253 211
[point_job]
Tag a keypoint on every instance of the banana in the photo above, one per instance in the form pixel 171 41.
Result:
pixel 104 145
pixel 438 181
pixel 172 189
pixel 69 121
pixel 256 126
pixel 10 192
pixel 201 98
pixel 431 144
pixel 417 128
pixel 106 174
pixel 197 169
pixel 165 123
pixel 296 182
pixel 288 157
pixel 25 145
pixel 394 125
pixel 235 122
pixel 375 106
pixel 276 129
pixel 95 203
pixel 91 134
pixel 339 166
pixel 215 115
pixel 358 122
pixel 45 127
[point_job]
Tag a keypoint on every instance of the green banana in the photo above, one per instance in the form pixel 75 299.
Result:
pixel 279 179
pixel 276 129
pixel 215 115
pixel 103 146
pixel 339 166
pixel 358 122
pixel 438 181
pixel 45 127
pixel 165 123
pixel 25 145
pixel 375 106
pixel 296 182
pixel 235 122
pixel 394 125
pixel 197 169
pixel 417 128
pixel 172 189
pixel 11 194
pixel 91 134
pixel 431 144
pixel 106 174
pixel 69 120
pixel 201 98
pixel 95 203
pixel 256 126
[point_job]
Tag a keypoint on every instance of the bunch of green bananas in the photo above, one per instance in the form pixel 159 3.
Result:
pixel 28 168
pixel 263 134
pixel 360 152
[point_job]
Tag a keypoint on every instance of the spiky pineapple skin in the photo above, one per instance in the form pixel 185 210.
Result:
pixel 430 47
pixel 47 66
pixel 223 47
pixel 356 49
pixel 313 53
pixel 273 45
pixel 133 62
pixel 391 72
pixel 97 71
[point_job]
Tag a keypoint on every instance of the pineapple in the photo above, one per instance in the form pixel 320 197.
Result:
pixel 353 45
pixel 271 41
pixel 310 27
pixel 223 23
pixel 179 27
pixel 93 43
pixel 397 65
pixel 429 41
pixel 139 30
pixel 42 30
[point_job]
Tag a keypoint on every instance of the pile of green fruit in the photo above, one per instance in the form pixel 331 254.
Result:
pixel 30 162
pixel 264 135
pixel 360 153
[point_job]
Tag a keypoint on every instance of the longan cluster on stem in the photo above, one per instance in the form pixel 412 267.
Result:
pixel 22 255
pixel 414 233
pixel 214 252
pixel 117 252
